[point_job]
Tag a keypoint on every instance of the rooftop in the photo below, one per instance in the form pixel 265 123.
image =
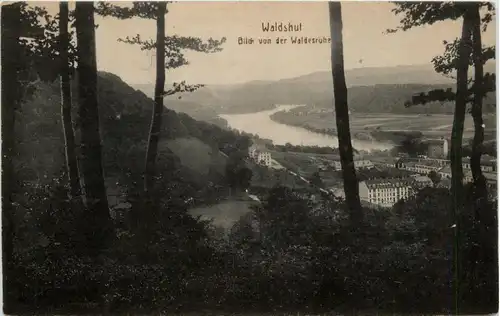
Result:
pixel 422 179
pixel 429 163
pixel 490 176
pixel 410 163
pixel 259 147
pixel 422 162
pixel 386 183
pixel 382 159
pixel 435 141
pixel 485 160
pixel 355 158
pixel 447 169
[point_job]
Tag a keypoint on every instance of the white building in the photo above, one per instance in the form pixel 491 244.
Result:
pixel 263 158
pixel 491 178
pixel 488 163
pixel 423 167
pixel 385 192
pixel 260 155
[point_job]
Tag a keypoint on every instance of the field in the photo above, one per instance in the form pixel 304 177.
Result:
pixel 264 177
pixel 306 164
pixel 302 164
pixel 432 125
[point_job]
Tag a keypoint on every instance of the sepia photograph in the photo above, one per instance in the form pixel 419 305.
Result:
pixel 249 158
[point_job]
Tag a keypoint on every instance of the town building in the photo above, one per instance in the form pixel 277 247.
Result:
pixel 385 161
pixel 491 178
pixel 385 192
pixel 435 161
pixel 421 166
pixel 444 183
pixel 260 155
pixel 488 163
pixel 437 148
pixel 445 173
pixel 422 181
pixel 264 158
pixel 359 163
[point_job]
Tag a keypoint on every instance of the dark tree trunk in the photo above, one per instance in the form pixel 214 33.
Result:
pixel 91 152
pixel 477 106
pixel 156 120
pixel 482 258
pixel 11 95
pixel 459 115
pixel 351 188
pixel 69 137
pixel 456 145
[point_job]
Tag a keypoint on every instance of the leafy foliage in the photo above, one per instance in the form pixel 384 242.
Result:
pixel 416 14
pixel 306 149
pixel 424 13
pixel 238 174
pixel 435 177
pixel 412 146
pixel 447 62
pixel 290 249
pixel 40 40
pixel 316 179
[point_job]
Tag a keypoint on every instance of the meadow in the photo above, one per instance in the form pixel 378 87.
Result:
pixel 431 125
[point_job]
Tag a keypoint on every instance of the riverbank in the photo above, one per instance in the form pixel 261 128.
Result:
pixel 393 137
pixel 381 127
pixel 262 125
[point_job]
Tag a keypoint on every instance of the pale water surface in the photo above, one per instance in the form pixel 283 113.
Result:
pixel 261 124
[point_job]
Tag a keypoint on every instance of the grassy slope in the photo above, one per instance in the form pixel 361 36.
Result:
pixel 196 155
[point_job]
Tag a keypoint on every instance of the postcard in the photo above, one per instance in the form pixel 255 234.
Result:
pixel 249 158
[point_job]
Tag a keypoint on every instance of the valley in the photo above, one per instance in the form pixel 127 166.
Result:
pixel 377 97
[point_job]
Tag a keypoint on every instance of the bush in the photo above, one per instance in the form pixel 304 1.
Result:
pixel 290 253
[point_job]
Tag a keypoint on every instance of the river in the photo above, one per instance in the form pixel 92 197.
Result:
pixel 261 124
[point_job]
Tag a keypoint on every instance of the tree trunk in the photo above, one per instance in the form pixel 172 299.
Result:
pixel 459 115
pixel 482 260
pixel 456 145
pixel 91 161
pixel 477 106
pixel 351 188
pixel 156 120
pixel 69 138
pixel 11 94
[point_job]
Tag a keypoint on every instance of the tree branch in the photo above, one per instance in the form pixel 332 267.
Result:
pixel 181 87
pixel 174 46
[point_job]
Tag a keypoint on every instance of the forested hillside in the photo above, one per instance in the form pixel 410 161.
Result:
pixel 125 115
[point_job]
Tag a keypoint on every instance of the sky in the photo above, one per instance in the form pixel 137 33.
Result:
pixel 365 44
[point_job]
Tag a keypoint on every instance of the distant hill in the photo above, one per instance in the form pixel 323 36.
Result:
pixel 375 89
